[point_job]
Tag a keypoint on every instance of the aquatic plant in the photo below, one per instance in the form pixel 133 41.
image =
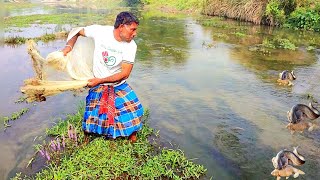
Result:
pixel 46 38
pixel 278 43
pixel 15 40
pixel 14 116
pixel 21 99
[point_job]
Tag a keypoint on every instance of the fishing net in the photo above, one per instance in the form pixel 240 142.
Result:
pixel 58 73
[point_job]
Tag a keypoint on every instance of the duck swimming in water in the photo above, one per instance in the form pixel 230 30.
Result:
pixel 286 157
pixel 302 112
pixel 284 162
pixel 286 78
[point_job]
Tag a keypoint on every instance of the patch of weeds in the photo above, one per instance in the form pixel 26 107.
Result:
pixel 279 43
pixel 15 40
pixel 260 49
pixel 14 116
pixel 76 19
pixel 268 44
pixel 112 159
pixel 9 6
pixel 21 99
pixel 239 34
pixel 208 45
pixel 310 48
pixel 220 35
pixel 310 97
pixel 46 38
pixel 61 127
pixel 214 23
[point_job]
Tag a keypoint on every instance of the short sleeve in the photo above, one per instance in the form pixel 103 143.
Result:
pixel 129 53
pixel 92 31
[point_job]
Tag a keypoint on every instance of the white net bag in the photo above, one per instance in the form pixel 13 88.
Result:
pixel 77 63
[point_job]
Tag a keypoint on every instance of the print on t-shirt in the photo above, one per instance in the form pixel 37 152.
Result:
pixel 108 60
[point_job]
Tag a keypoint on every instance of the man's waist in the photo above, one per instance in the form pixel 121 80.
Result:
pixel 114 84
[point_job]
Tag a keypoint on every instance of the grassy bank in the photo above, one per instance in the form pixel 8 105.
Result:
pixel 245 10
pixel 297 14
pixel 109 159
pixel 191 5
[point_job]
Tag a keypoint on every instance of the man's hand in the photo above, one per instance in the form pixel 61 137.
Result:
pixel 93 82
pixel 71 42
pixel 66 50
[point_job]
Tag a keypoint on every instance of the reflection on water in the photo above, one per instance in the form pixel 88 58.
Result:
pixel 221 104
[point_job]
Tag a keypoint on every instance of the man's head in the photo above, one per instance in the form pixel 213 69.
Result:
pixel 127 24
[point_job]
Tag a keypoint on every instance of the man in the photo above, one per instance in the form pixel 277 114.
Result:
pixel 112 107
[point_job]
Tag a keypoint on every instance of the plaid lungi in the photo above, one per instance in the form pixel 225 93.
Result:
pixel 128 111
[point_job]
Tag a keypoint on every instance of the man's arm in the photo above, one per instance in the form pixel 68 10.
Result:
pixel 118 77
pixel 68 47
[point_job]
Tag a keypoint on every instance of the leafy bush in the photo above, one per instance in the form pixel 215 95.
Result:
pixel 274 14
pixel 304 18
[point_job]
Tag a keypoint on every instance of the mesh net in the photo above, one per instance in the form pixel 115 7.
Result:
pixel 58 73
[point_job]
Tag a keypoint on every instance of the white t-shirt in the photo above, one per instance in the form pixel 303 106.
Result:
pixel 108 52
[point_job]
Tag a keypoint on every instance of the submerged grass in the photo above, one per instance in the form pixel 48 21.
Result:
pixel 13 116
pixel 116 159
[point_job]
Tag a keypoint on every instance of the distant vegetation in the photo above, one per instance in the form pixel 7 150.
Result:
pixel 297 14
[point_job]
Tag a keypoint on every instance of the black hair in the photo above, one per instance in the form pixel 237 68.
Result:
pixel 125 18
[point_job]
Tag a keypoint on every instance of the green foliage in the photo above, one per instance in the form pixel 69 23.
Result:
pixel 274 13
pixel 298 14
pixel 14 116
pixel 46 38
pixel 15 40
pixel 178 4
pixel 305 18
pixel 61 127
pixel 14 6
pixel 76 19
pixel 113 159
pixel 21 99
pixel 278 43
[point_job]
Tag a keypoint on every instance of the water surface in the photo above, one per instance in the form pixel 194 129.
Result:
pixel 207 93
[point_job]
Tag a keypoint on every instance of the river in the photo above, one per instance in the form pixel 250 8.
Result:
pixel 207 93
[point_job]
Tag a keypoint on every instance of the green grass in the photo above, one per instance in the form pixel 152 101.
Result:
pixel 114 159
pixel 15 6
pixel 21 40
pixel 177 4
pixel 13 116
pixel 75 19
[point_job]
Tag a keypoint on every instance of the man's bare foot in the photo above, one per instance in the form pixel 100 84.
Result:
pixel 133 137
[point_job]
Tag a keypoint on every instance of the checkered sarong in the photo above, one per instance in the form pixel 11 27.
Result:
pixel 128 112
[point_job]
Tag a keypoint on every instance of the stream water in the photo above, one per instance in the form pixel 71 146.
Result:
pixel 206 91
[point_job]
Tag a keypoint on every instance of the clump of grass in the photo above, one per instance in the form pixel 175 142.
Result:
pixel 279 43
pixel 21 99
pixel 117 159
pixel 9 6
pixel 46 38
pixel 76 19
pixel 239 34
pixel 14 116
pixel 15 40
